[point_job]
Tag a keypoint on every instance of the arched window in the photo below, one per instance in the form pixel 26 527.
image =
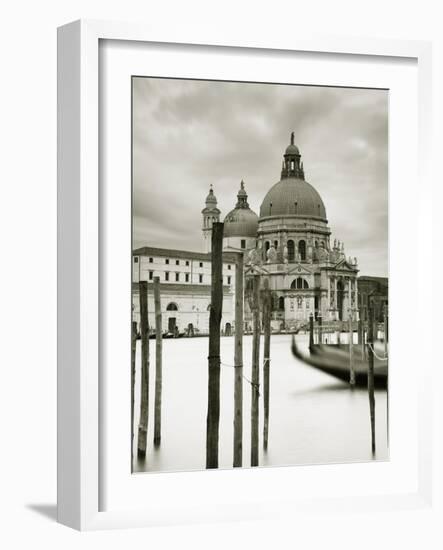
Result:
pixel 281 303
pixel 299 283
pixel 267 246
pixel 290 246
pixel 275 245
pixel 172 307
pixel 302 250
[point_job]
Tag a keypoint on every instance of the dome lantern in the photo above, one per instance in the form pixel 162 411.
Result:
pixel 291 167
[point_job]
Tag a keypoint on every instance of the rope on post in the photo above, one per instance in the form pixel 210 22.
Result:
pixel 253 385
pixel 378 357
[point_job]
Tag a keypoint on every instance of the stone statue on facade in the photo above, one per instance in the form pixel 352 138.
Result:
pixel 271 255
pixel 285 254
pixel 253 256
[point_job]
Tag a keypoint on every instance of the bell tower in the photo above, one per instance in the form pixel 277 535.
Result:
pixel 211 214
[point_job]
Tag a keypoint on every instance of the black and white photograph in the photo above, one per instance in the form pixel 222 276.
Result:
pixel 260 320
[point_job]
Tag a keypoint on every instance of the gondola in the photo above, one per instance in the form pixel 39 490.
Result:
pixel 335 362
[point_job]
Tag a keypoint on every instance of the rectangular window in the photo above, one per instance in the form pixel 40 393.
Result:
pixel 229 280
pixel 229 266
pixel 151 260
pixel 201 264
pixel 187 262
pixel 243 243
pixel 167 261
pixel 177 276
pixel 166 275
pixel 177 262
pixel 151 275
pixel 136 260
pixel 187 277
pixel 200 278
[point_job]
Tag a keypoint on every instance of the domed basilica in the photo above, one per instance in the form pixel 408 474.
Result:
pixel 289 243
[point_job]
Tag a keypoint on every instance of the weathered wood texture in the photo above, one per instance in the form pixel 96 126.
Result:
pixel 158 363
pixel 144 386
pixel 133 354
pixel 266 360
pixel 238 362
pixel 213 416
pixel 255 379
pixel 351 352
pixel 311 331
pixel 371 375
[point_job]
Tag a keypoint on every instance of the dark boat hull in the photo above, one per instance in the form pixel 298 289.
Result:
pixel 336 364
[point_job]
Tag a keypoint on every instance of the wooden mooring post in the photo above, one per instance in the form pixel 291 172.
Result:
pixel 385 339
pixel 213 416
pixel 371 375
pixel 311 331
pixel 320 328
pixel 238 362
pixel 351 351
pixel 255 379
pixel 133 355
pixel 266 359
pixel 158 363
pixel 144 385
pixel 363 316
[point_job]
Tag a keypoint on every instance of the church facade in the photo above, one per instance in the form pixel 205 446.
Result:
pixel 289 243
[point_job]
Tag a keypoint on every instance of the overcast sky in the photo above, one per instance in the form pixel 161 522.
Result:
pixel 190 134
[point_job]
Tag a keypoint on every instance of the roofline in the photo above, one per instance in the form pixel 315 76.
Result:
pixel 228 257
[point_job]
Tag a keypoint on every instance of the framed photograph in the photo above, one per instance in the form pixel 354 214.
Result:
pixel 234 287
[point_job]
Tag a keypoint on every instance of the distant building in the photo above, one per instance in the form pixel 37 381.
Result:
pixel 289 244
pixel 185 288
pixel 374 291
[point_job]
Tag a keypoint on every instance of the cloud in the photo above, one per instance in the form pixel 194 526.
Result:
pixel 190 134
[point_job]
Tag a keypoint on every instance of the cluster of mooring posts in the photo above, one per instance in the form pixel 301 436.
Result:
pixel 142 439
pixel 331 355
pixel 261 309
pixel 356 363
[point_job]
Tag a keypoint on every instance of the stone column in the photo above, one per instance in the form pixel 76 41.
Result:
pixel 350 295
pixel 335 299
pixel 346 299
pixel 329 298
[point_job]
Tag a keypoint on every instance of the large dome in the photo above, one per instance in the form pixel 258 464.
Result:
pixel 241 222
pixel 293 197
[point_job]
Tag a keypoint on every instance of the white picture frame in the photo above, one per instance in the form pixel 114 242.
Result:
pixel 79 257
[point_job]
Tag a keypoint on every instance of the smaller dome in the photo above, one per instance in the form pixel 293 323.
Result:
pixel 292 150
pixel 241 222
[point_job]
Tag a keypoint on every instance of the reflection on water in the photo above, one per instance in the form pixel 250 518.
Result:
pixel 313 418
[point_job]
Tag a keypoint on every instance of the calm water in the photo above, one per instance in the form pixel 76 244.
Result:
pixel 313 417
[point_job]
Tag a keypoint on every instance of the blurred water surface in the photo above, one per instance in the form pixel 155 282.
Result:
pixel 313 419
